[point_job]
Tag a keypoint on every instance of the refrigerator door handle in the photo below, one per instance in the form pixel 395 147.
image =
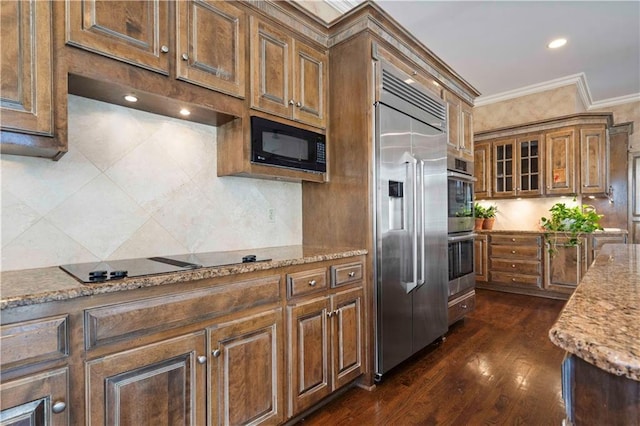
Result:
pixel 423 257
pixel 408 158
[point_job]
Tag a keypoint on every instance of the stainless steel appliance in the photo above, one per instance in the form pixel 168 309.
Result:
pixel 459 202
pixel 411 221
pixel 281 145
pixel 461 273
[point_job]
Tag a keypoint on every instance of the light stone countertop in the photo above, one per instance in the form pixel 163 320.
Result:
pixel 33 286
pixel 601 321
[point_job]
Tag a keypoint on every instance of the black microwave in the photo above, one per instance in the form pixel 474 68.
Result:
pixel 281 145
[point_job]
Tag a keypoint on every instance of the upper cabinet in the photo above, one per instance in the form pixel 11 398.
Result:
pixel 206 48
pixel 459 127
pixel 288 76
pixel 561 156
pixel 26 77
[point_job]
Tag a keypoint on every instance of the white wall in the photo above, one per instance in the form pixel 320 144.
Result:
pixel 135 184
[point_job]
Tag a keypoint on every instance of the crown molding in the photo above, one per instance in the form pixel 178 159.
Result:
pixel 580 80
pixel 342 6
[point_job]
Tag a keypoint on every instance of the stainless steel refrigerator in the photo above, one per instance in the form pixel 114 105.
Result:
pixel 411 221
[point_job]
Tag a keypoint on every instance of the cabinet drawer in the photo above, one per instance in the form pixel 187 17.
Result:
pixel 515 251
pixel 114 322
pixel 516 266
pixel 345 274
pixel 514 278
pixel 34 341
pixel 525 240
pixel 461 306
pixel 306 282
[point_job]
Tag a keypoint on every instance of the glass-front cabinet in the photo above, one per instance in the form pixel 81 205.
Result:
pixel 517 166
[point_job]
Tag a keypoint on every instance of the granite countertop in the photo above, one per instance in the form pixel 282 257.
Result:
pixel 601 321
pixel 33 286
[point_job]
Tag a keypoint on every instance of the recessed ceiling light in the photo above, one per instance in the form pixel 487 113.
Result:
pixel 185 112
pixel 559 42
pixel 130 98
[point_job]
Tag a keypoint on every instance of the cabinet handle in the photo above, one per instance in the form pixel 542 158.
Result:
pixel 59 407
pixel 352 274
pixel 216 353
pixel 312 283
pixel 330 314
pixel 202 359
pixel 164 49
pixel 298 104
pixel 513 279
pixel 513 239
pixel 513 252
pixel 513 266
pixel 291 102
pixel 185 57
pixel 463 306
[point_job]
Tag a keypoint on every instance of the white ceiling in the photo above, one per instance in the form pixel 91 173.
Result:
pixel 500 46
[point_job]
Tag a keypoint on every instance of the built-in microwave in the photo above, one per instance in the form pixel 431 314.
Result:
pixel 281 145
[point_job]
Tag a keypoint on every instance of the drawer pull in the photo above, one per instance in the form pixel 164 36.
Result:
pixel 202 359
pixel 513 266
pixel 513 252
pixel 513 239
pixel 59 407
pixel 312 283
pixel 216 353
pixel 352 274
pixel 513 279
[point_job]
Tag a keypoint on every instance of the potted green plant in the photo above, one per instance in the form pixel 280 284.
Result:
pixel 489 217
pixel 478 213
pixel 569 222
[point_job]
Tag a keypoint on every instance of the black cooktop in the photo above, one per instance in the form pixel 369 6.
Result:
pixel 96 272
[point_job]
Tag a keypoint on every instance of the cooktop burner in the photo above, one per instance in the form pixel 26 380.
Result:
pixel 96 272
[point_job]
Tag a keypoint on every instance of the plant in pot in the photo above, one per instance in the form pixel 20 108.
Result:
pixel 478 213
pixel 489 217
pixel 569 222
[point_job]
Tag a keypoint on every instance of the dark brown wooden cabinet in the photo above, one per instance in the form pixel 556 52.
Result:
pixel 246 372
pixel 561 162
pixel 566 265
pixel 459 128
pixel 481 257
pixel 517 167
pixel 288 76
pixel 162 383
pixel 482 170
pixel 38 400
pixel 594 153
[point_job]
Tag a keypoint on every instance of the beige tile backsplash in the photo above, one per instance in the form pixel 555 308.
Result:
pixel 135 184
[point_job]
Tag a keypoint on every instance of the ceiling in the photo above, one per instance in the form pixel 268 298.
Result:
pixel 499 47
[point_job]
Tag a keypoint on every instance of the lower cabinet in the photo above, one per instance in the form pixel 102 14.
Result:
pixel 157 384
pixel 40 399
pixel 325 346
pixel 565 267
pixel 246 368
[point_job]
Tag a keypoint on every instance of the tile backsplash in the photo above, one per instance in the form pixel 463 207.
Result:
pixel 135 184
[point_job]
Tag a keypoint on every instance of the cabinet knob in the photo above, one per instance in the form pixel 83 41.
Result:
pixel 513 252
pixel 513 279
pixel 312 283
pixel 352 274
pixel 59 407
pixel 330 314
pixel 513 266
pixel 464 306
pixel 298 104
pixel 291 102
pixel 185 57
pixel 164 49
pixel 216 353
pixel 513 239
pixel 202 359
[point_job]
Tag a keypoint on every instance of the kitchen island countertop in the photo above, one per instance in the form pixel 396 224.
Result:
pixel 601 321
pixel 33 286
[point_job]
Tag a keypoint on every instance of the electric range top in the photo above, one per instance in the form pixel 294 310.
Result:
pixel 97 272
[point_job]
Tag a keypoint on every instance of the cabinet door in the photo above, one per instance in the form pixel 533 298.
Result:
pixel 466 140
pixel 529 166
pixel 482 170
pixel 26 66
pixel 160 384
pixel 271 84
pixel 566 266
pixel 136 32
pixel 310 85
pixel 504 168
pixel 308 350
pixel 40 399
pixel 347 337
pixel 560 148
pixel 593 160
pixel 247 371
pixel 481 258
pixel 454 124
pixel 211 41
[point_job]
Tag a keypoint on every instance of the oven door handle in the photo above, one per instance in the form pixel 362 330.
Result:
pixel 458 238
pixel 461 176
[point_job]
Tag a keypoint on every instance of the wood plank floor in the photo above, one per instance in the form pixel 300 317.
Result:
pixel 496 367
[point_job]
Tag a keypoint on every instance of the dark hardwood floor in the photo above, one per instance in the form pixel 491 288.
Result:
pixel 496 367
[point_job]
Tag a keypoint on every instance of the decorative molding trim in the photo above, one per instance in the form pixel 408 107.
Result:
pixel 580 80
pixel 342 6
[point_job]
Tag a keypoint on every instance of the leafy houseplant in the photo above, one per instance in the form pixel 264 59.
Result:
pixel 489 217
pixel 569 222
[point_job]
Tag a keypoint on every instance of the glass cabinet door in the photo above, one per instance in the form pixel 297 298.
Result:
pixel 529 166
pixel 503 181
